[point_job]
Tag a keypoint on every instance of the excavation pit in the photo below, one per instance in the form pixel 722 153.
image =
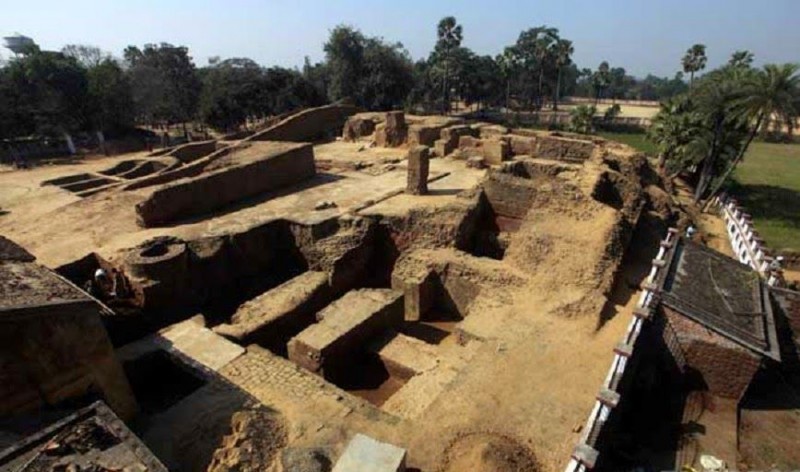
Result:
pixel 500 274
pixel 159 381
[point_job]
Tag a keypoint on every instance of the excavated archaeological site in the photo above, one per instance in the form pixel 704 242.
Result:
pixel 451 291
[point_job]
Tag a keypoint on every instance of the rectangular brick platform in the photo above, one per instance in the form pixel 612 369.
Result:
pixel 259 168
pixel 344 328
pixel 273 317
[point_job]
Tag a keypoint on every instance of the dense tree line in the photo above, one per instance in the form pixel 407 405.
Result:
pixel 83 89
pixel 708 129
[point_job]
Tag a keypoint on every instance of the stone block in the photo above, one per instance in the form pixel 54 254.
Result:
pixel 275 316
pixel 418 168
pixel 419 292
pixel 496 151
pixel 357 127
pixel 469 142
pixel 423 135
pixel 523 145
pixel 564 149
pixel 405 357
pixel 442 148
pixel 476 162
pixel 492 131
pixel 364 454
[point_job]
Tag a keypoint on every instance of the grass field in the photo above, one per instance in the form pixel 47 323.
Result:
pixel 767 184
pixel 635 140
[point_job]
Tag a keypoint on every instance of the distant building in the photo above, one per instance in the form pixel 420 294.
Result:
pixel 19 44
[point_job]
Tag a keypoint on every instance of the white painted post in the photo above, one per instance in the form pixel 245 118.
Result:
pixel 70 143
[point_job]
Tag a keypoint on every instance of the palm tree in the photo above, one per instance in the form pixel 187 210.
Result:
pixel 582 119
pixel 601 80
pixel 542 51
pixel 767 94
pixel 533 48
pixel 694 60
pixel 449 35
pixel 741 59
pixel 562 52
pixel 509 65
pixel 715 102
pixel 672 129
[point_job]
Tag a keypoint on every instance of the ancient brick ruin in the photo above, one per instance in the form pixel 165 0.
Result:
pixel 418 290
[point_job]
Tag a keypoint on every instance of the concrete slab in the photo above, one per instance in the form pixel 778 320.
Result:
pixel 189 338
pixel 406 357
pixel 364 454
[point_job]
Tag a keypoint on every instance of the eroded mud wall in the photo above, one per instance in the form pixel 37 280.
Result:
pixel 308 125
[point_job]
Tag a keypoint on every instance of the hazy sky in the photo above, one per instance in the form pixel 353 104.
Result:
pixel 644 36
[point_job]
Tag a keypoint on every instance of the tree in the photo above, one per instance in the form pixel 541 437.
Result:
pixel 617 82
pixel 344 53
pixel 110 97
pixel 741 59
pixel 534 52
pixel 87 56
pixel 370 72
pixel 449 35
pixel 694 61
pixel 388 76
pixel 165 82
pixel 509 65
pixel 673 128
pixel 601 80
pixel 582 119
pixel 770 93
pixel 52 90
pixel 562 52
pixel 231 93
pixel 479 78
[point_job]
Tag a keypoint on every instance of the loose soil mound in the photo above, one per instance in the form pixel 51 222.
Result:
pixel 256 438
pixel 488 452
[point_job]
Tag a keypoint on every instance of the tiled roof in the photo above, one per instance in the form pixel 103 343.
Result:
pixel 720 293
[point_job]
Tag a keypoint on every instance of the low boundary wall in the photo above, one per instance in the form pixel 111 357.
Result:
pixel 308 125
pixel 584 456
pixel 745 241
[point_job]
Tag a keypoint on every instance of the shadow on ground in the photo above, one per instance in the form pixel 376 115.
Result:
pixel 767 202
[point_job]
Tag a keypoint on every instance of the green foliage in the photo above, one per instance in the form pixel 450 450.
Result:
pixel 741 59
pixel 49 90
pixel 601 79
pixel 767 183
pixel 694 60
pixel 710 128
pixel 237 89
pixel 373 74
pixel 611 113
pixel 581 119
pixel 638 141
pixel 165 83
pixel 110 96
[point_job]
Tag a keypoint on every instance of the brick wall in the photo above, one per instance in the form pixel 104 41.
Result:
pixel 214 190
pixel 53 353
pixel 308 125
pixel 725 367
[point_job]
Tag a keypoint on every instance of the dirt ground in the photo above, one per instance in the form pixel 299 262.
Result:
pixel 515 396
